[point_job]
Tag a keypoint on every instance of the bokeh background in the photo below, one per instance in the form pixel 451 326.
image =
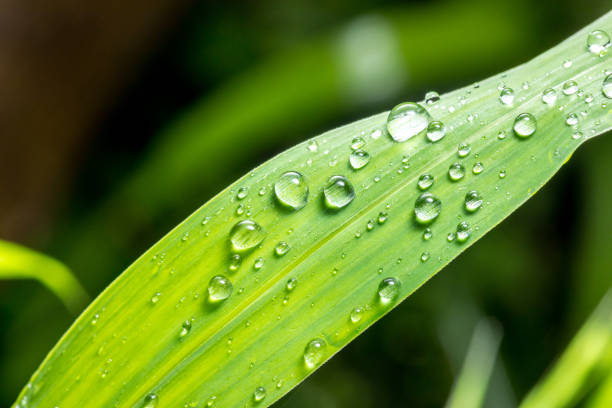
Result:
pixel 119 118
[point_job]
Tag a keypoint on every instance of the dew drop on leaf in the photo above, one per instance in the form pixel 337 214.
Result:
pixel 259 394
pixel 242 193
pixel 357 143
pixel 606 87
pixel 356 314
pixel 425 256
pixel 473 201
pixel 463 150
pixel 359 159
pixel 525 125
pixel 549 96
pixel 571 119
pixel 477 168
pixel 246 235
pixel 598 41
pixel 506 96
pixel 338 193
pixel 314 353
pixel 150 401
pixel 258 264
pixel 185 328
pixel 235 262
pixel 281 248
pixel 463 231
pixel 456 171
pixel 570 87
pixel 219 289
pixel 388 290
pixel 427 207
pixel 291 284
pixel 432 97
pixel 425 181
pixel 435 131
pixel 407 120
pixel 427 234
pixel 291 190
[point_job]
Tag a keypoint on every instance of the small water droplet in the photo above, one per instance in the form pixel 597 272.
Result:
pixel 291 190
pixel 571 119
pixel 567 63
pixel 150 401
pixel 235 262
pixel 463 150
pixel 549 96
pixel 432 97
pixel 427 234
pixel 577 135
pixel 425 256
pixel 502 174
pixel 357 143
pixel 291 284
pixel 185 328
pixel 281 248
pixel 477 168
pixel 525 125
pixel 314 353
pixel 210 402
pixel 425 181
pixel 338 193
pixel 606 87
pixel 259 263
pixel 356 314
pixel 456 171
pixel 259 394
pixel 501 135
pixel 463 231
pixel 246 235
pixel 376 133
pixel 570 87
pixel 473 201
pixel 382 217
pixel 598 41
pixel 450 237
pixel 407 120
pixel 359 159
pixel 155 297
pixel 506 96
pixel 313 146
pixel 388 290
pixel 242 193
pixel 219 289
pixel 435 131
pixel 427 207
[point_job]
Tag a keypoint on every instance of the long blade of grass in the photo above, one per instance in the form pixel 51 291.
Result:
pixel 152 338
pixel 567 380
pixel 18 262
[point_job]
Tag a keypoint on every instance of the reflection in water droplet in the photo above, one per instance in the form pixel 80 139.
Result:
pixel 291 190
pixel 314 353
pixel 407 120
pixel 525 125
pixel 356 314
pixel 219 289
pixel 456 171
pixel 425 181
pixel 463 149
pixel 473 201
pixel 357 143
pixel 598 41
pixel 432 97
pixel 570 87
pixel 435 131
pixel 477 168
pixel 359 159
pixel 427 208
pixel 338 193
pixel 388 290
pixel 242 193
pixel 235 262
pixel 506 96
pixel 281 248
pixel 463 231
pixel 291 284
pixel 425 256
pixel 258 264
pixel 246 235
pixel 571 119
pixel 549 96
pixel 185 329
pixel 259 394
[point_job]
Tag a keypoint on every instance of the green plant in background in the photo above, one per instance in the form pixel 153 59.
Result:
pixel 269 279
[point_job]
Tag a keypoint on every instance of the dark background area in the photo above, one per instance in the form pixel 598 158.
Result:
pixel 117 121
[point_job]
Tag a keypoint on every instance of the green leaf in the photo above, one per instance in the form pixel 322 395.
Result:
pixel 18 262
pixel 153 332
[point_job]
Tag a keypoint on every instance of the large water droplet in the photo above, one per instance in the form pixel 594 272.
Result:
pixel 259 394
pixel 463 231
pixel 407 120
pixel 338 193
pixel 506 96
pixel 358 159
pixel 606 87
pixel 150 401
pixel 425 181
pixel 525 125
pixel 549 96
pixel 291 190
pixel 456 171
pixel 473 201
pixel 219 289
pixel 427 207
pixel 435 131
pixel 388 290
pixel 314 353
pixel 598 41
pixel 246 235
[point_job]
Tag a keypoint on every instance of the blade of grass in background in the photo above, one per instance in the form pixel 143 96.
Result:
pixel 18 262
pixel 316 277
pixel 588 353
pixel 602 397
pixel 471 384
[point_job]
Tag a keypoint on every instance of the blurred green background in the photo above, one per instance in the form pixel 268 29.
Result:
pixel 121 118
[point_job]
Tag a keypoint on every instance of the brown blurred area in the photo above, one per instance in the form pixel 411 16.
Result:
pixel 62 64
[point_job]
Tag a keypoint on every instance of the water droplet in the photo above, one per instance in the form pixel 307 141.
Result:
pixel 358 159
pixel 155 297
pixel 314 353
pixel 570 87
pixel 281 248
pixel 376 133
pixel 450 237
pixel 259 263
pixel 425 181
pixel 463 150
pixel 407 120
pixel 463 231
pixel 425 256
pixel 435 131
pixel 567 63
pixel 210 402
pixel 357 143
pixel 427 208
pixel 473 201
pixel 606 87
pixel 219 289
pixel 150 401
pixel 502 174
pixel 291 284
pixel 506 96
pixel 432 97
pixel 388 290
pixel 338 193
pixel 235 262
pixel 246 235
pixel 382 217
pixel 242 193
pixel 356 314
pixel 313 146
pixel 427 234
pixel 598 41
pixel 291 190
pixel 370 225
pixel 456 171
pixel 501 135
pixel 525 125
pixel 549 96
pixel 571 119
pixel 577 135
pixel 259 394
pixel 185 329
